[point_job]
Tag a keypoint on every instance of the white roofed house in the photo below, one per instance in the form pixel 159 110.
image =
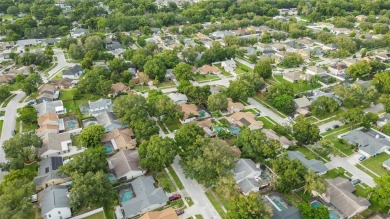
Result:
pixel 386 164
pixel 247 175
pixel 50 106
pixel 178 98
pixel 125 165
pixel 314 70
pixel 100 106
pixel 109 121
pixel 229 65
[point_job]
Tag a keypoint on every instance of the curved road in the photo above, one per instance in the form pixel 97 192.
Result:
pixel 61 63
pixel 9 124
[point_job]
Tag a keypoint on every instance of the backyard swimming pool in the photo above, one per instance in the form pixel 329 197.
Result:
pixel 279 204
pixel 111 178
pixel 72 124
pixel 332 214
pixel 108 149
pixel 127 195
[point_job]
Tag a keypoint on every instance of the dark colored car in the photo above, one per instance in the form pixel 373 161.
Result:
pixel 13 132
pixel 328 129
pixel 179 212
pixel 174 197
pixel 336 126
pixel 356 181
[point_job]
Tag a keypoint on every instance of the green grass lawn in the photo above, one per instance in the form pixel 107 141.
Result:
pixel 298 88
pixel 250 110
pixel 5 103
pixel 343 147
pixel 267 124
pixel 140 88
pixel 311 119
pixel 163 181
pixel 216 204
pixel 58 77
pixel 207 77
pixel 336 172
pixel 67 94
pixel 198 216
pixel 305 196
pixel 189 201
pixel 99 215
pixel 224 73
pixel 172 126
pixel 1 126
pixel 166 84
pixel 175 177
pixel 165 130
pixel 241 68
pixel 375 164
pixel 308 154
pixel 2 113
pixel 337 112
pixel 70 106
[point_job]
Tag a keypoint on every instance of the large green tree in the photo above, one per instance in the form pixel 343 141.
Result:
pixel 4 92
pixel 291 60
pixel 156 69
pixel 183 71
pixel 163 107
pixel 309 212
pixel 217 102
pixel 381 191
pixel 291 174
pixel 93 43
pixel 157 153
pixel 28 115
pixel 359 69
pixel 314 182
pixel 91 135
pixel 382 82
pixel 323 105
pixel 263 68
pixel 248 207
pixel 187 135
pixel 305 132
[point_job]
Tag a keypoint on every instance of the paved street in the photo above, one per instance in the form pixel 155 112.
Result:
pixel 197 194
pixel 348 164
pixel 9 124
pixel 330 124
pixel 61 63
pixel 267 112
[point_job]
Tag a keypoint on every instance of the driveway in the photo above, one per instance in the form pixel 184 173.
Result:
pixel 267 112
pixel 195 191
pixel 9 124
pixel 61 63
pixel 330 124
pixel 348 164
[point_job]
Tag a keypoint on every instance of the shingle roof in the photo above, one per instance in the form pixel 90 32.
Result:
pixel 100 104
pixel 313 164
pixel 48 106
pixel 48 170
pixel 54 197
pixel 122 137
pixel 72 71
pixel 302 102
pixel 366 142
pixel 124 162
pixel 52 141
pixel 107 118
pixel 146 195
pixel 244 168
pixel 290 213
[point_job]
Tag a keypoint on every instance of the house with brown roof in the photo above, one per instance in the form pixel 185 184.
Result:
pixel 208 69
pixel 45 129
pixel 120 138
pixel 339 192
pixel 242 119
pixel 6 79
pixel 125 165
pixel 66 83
pixel 47 92
pixel 50 118
pixel 118 88
pixel 292 77
pixel 55 144
pixel 234 107
pixel 271 134
pixel 190 112
pixel 168 213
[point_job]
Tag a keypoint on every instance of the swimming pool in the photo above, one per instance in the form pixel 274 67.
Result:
pixel 71 124
pixel 332 214
pixel 111 178
pixel 127 195
pixel 108 149
pixel 234 130
pixel 279 204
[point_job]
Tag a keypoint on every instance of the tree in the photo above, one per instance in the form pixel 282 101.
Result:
pixel 324 105
pixel 93 43
pixel 13 10
pixel 187 135
pixel 198 95
pixel 291 173
pixel 227 187
pixel 313 182
pixel 263 68
pixel 183 71
pixel 163 107
pixel 91 189
pixel 28 115
pixel 217 102
pixel 4 92
pixel 369 119
pixel 169 58
pixel 76 52
pixel 255 145
pixel 157 153
pixel 86 63
pixel 252 58
pixel 284 103
pixel 385 100
pixel 49 51
pixel 359 69
pixel 16 190
pixel 207 160
pixel 309 212
pixel 155 69
pixel 144 129
pixel 381 28
pixel 304 132
pixel 248 207
pixel 291 60
pixel 386 128
pixel 353 116
pixel 21 147
pixel 118 65
pixel 91 135
pixel 91 160
pixel 382 82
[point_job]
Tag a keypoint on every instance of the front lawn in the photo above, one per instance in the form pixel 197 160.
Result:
pixel 337 112
pixel 308 154
pixel 99 215
pixel 298 87
pixel 267 124
pixel 173 125
pixel 375 164
pixel 165 84
pixel 140 88
pixel 241 68
pixel 207 77
pixel 336 172
pixel 163 181
pixel 344 147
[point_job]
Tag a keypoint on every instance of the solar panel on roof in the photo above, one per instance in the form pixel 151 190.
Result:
pixel 56 162
pixel 245 122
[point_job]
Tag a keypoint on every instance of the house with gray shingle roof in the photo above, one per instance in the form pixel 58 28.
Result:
pixel 369 143
pixel 73 73
pixel 47 173
pixel 100 106
pixel 50 106
pixel 126 164
pixel 339 192
pixel 109 121
pixel 289 213
pixel 313 164
pixel 55 202
pixel 147 197
pixel 247 173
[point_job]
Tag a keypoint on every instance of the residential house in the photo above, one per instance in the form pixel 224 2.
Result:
pixel 361 17
pixel 27 42
pixel 229 65
pixel 314 70
pixel 120 138
pixel 78 32
pixel 271 134
pixel 289 213
pixel 100 106
pixel 220 34
pixel 383 120
pixel 201 36
pixel 247 176
pixel 304 53
pixel 264 48
pixel 302 105
pixel 55 144
pixel 313 164
pixel 190 112
pixel 119 88
pixel 47 92
pixel 48 175
pixel 386 164
pixel 66 83
pixel 49 123
pixel 344 31
pixel 7 79
pixel 168 213
pixel 350 62
pixel 178 98
pixel 125 165
pixel 288 11
pixel 337 68
pixel 55 202
pixel 242 119
pixel 369 143
pixel 307 42
pixel 147 197
pixel 292 77
pixel 73 73
pixel 234 107
pixel 330 47
pixel 47 107
pixel 109 121
pixel 339 192
pixel 208 69
pixel 383 56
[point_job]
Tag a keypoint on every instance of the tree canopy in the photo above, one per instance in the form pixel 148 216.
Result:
pixel 263 68
pixel 90 136
pixel 248 207
pixel 324 105
pixel 305 132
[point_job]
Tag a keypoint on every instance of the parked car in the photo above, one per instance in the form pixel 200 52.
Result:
pixel 174 197
pixel 356 181
pixel 258 114
pixel 179 212
pixel 328 129
pixel 335 126
pixel 30 103
pixel 361 158
pixel 13 132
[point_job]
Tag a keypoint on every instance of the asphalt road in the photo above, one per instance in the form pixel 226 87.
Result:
pixel 196 192
pixel 9 124
pixel 61 63
pixel 330 125
pixel 265 111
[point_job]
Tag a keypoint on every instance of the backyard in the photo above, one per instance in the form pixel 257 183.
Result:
pixel 375 164
pixel 99 215
pixel 241 68
pixel 298 87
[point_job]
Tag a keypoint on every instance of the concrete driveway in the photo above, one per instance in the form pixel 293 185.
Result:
pixel 330 124
pixel 348 163
pixel 201 203
pixel 9 124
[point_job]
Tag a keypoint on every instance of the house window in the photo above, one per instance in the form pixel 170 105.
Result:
pixel 59 212
pixel 49 215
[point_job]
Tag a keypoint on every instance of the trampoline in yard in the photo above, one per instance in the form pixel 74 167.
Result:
pixel 127 195
pixel 108 149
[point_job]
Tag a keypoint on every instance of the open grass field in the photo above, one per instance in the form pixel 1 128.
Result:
pixel 375 164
